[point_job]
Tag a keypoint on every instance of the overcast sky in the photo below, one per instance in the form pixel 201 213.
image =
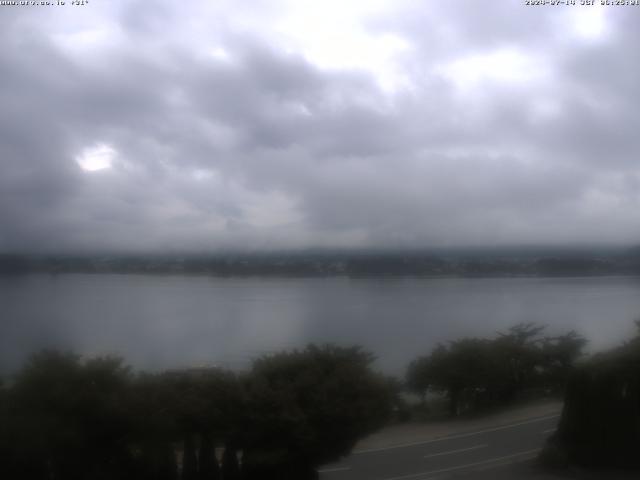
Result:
pixel 191 126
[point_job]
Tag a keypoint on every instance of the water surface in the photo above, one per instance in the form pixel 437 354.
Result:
pixel 158 322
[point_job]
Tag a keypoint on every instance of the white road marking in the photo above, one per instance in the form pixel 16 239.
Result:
pixel 460 467
pixel 451 452
pixel 454 437
pixel 337 469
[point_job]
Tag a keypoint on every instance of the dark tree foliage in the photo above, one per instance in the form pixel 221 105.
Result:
pixel 64 418
pixel 67 420
pixel 600 424
pixel 186 411
pixel 207 462
pixel 154 427
pixel 189 459
pixel 559 355
pixel 309 407
pixel 419 377
pixel 475 373
pixel 230 465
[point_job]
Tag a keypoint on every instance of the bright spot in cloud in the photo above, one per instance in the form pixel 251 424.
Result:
pixel 98 157
pixel 87 41
pixel 503 66
pixel 588 22
pixel 333 35
pixel 220 54
pixel 201 175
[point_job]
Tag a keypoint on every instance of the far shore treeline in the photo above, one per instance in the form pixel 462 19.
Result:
pixel 362 263
pixel 67 417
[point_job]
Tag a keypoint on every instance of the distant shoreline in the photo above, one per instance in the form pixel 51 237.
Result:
pixel 347 264
pixel 321 276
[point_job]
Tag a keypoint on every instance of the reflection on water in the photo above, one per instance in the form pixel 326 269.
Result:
pixel 170 321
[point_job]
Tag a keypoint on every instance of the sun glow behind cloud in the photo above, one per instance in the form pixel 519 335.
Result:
pixel 509 66
pixel 341 40
pixel 589 23
pixel 96 158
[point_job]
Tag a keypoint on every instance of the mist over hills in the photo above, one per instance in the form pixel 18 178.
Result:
pixel 514 261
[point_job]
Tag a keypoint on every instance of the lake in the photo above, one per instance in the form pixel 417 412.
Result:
pixel 158 322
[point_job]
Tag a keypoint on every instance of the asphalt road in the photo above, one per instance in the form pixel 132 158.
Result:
pixel 469 455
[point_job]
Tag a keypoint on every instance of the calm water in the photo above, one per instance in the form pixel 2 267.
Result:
pixel 171 321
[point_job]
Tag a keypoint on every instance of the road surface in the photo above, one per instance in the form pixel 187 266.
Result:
pixel 472 454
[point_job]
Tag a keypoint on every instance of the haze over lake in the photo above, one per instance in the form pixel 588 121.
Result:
pixel 159 322
pixel 249 129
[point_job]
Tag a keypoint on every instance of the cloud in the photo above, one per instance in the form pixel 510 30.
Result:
pixel 221 125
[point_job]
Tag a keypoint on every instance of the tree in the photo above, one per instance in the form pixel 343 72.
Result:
pixel 154 428
pixel 600 423
pixel 476 373
pixel 462 370
pixel 309 407
pixel 519 350
pixel 68 418
pixel 188 409
pixel 559 357
pixel 230 466
pixel 418 377
pixel 207 462
pixel 70 422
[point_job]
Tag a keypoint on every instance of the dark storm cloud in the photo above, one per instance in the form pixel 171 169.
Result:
pixel 507 126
